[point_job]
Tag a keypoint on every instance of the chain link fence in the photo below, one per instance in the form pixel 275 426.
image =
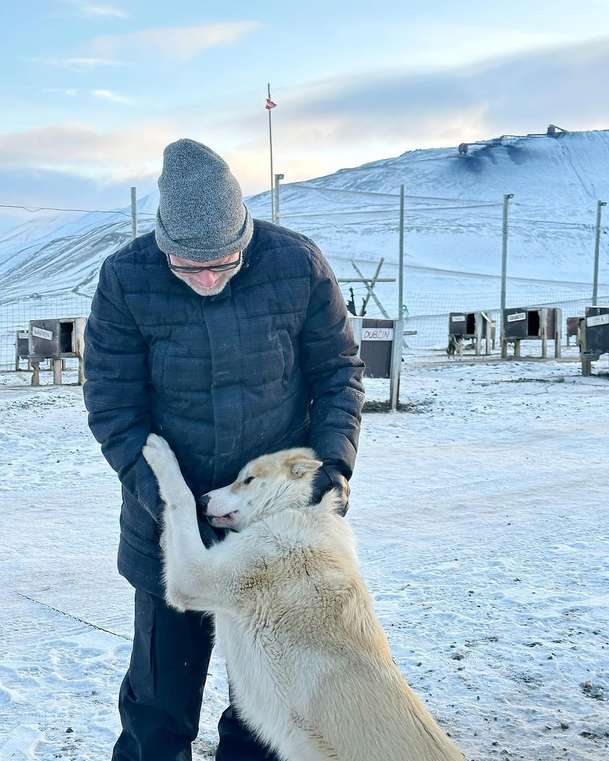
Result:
pixel 452 260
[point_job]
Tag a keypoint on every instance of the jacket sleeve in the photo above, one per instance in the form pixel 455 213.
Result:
pixel 333 371
pixel 116 389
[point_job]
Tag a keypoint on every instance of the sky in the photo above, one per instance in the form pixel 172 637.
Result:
pixel 92 90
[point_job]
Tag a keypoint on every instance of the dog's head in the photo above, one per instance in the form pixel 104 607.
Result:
pixel 265 486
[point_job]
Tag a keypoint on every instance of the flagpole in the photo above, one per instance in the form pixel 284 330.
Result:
pixel 271 156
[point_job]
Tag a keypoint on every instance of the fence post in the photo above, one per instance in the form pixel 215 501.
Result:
pixel 396 363
pixel 504 253
pixel 278 178
pixel 597 250
pixel 133 213
pixel 401 258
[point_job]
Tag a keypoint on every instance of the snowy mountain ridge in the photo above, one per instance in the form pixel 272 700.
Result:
pixel 453 221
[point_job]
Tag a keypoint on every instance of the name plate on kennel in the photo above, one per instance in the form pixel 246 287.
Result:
pixel 47 335
pixel 376 340
pixel 597 319
pixel 377 334
pixel 517 316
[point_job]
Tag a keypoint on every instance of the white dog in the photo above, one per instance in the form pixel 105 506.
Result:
pixel 308 660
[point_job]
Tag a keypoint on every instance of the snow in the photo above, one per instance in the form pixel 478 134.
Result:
pixel 482 517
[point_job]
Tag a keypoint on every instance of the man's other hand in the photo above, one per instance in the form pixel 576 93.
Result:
pixel 329 477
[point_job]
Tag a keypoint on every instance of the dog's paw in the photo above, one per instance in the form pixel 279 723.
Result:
pixel 163 463
pixel 159 455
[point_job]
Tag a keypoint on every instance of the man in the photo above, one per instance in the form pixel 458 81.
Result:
pixel 229 337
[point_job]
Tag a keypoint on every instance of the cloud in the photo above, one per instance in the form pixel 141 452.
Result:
pixel 96 10
pixel 76 63
pixel 83 150
pixel 40 187
pixel 112 96
pixel 322 126
pixel 176 43
pixel 68 91
pixel 522 92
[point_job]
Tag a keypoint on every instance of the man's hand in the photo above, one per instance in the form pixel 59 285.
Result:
pixel 328 477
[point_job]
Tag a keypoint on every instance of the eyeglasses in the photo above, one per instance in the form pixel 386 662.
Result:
pixel 209 268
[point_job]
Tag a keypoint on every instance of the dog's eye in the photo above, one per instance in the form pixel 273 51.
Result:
pixel 248 480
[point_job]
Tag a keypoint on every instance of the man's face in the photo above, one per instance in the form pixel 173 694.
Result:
pixel 206 282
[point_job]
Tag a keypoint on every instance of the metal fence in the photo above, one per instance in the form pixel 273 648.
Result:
pixel 445 240
pixel 16 316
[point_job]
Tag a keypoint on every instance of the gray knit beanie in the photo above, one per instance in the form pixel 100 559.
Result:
pixel 201 213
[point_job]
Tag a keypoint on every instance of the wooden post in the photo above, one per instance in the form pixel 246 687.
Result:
pixel 479 320
pixel 583 349
pixel 356 327
pixel 372 284
pixel 35 373
pixel 396 363
pixel 81 371
pixel 544 333
pixel 57 379
pixel 370 291
pixel 558 334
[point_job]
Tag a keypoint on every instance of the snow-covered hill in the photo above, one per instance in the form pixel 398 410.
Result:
pixel 453 226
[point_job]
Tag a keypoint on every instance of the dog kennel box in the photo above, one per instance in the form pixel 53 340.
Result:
pixel 379 344
pixel 375 342
pixel 597 330
pixel 473 326
pixel 57 338
pixel 532 323
pixel 572 328
pixel 465 324
pixel 22 344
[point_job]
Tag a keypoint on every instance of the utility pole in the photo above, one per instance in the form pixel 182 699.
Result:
pixel 597 249
pixel 504 253
pixel 278 178
pixel 270 105
pixel 133 213
pixel 398 325
pixel 401 258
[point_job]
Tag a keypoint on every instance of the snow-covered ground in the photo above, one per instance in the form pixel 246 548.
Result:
pixel 483 524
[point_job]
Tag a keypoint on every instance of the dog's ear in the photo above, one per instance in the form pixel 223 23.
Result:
pixel 304 465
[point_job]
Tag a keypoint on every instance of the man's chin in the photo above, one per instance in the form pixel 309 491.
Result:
pixel 207 291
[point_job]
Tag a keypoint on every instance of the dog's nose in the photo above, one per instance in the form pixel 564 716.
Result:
pixel 204 502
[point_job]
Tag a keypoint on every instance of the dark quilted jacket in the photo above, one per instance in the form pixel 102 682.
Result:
pixel 267 364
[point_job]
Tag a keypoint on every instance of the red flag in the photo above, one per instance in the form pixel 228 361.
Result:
pixel 270 104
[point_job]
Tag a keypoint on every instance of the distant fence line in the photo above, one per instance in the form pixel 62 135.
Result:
pixel 427 314
pixel 431 293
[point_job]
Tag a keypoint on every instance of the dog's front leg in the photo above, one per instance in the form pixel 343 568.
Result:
pixel 190 575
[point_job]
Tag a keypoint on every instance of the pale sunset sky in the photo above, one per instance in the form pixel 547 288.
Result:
pixel 92 91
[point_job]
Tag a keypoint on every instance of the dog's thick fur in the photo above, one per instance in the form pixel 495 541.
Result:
pixel 308 660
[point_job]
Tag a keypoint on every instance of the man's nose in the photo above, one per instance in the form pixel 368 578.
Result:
pixel 208 279
pixel 204 502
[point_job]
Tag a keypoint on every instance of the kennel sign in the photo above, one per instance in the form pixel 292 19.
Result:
pixel 377 334
pixel 47 335
pixel 597 319
pixel 375 339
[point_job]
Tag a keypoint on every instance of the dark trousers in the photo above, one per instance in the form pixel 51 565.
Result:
pixel 161 694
